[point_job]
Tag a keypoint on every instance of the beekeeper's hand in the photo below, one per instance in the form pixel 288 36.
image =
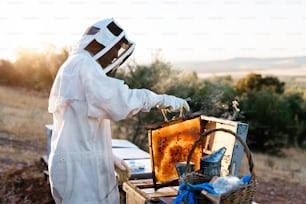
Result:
pixel 122 169
pixel 174 104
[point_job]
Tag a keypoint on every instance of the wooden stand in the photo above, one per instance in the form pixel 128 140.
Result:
pixel 142 192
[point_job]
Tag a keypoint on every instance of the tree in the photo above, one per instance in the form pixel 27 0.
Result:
pixel 7 72
pixel 255 82
pixel 269 119
pixel 276 118
pixel 297 106
pixel 37 70
pixel 214 97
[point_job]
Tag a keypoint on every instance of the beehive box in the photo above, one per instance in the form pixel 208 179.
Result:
pixel 142 191
pixel 171 142
pixel 232 158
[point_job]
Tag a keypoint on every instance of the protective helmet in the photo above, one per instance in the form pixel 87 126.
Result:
pixel 108 34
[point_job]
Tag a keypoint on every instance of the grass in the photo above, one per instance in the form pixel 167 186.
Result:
pixel 23 115
pixel 290 167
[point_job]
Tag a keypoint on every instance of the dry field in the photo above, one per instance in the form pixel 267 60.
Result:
pixel 23 115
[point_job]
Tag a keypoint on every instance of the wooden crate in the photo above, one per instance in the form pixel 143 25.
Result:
pixel 232 158
pixel 142 191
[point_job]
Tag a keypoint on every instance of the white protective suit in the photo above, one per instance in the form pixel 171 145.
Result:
pixel 83 100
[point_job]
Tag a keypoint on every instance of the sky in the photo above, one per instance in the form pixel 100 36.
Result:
pixel 176 30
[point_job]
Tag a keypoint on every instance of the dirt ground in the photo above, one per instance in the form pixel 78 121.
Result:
pixel 26 183
pixel 29 185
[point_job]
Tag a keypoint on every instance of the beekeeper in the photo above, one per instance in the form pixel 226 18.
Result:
pixel 84 98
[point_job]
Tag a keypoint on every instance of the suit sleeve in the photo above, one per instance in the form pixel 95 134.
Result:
pixel 110 98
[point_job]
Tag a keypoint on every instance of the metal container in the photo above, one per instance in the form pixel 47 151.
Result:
pixel 210 165
pixel 181 167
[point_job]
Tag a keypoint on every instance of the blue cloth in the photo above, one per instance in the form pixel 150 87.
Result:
pixel 187 192
pixel 246 178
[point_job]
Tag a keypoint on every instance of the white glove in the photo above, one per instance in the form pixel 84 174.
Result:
pixel 174 104
pixel 122 169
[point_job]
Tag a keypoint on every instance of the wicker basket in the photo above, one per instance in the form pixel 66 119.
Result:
pixel 242 194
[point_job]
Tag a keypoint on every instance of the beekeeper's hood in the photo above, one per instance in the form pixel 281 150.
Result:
pixel 108 34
